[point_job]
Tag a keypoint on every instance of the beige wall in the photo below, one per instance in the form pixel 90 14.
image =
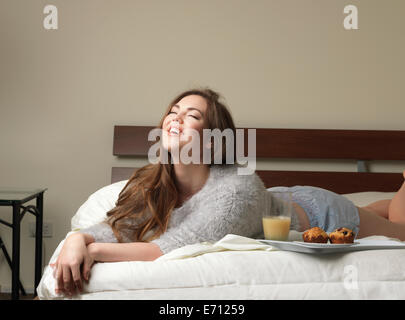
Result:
pixel 279 64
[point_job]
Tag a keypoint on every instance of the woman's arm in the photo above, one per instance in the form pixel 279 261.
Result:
pixel 133 251
pixel 105 247
pixel 73 255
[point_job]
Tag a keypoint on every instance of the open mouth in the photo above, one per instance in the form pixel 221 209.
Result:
pixel 174 131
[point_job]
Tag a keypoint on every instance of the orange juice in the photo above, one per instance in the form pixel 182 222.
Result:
pixel 276 228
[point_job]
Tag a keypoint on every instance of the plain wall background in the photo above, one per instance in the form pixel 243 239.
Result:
pixel 279 64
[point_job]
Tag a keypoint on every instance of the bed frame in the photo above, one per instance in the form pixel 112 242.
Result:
pixel 358 145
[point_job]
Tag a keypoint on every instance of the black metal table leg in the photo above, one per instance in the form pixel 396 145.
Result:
pixel 15 294
pixel 38 241
pixel 6 255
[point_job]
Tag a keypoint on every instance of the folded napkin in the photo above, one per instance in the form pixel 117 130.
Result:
pixel 230 242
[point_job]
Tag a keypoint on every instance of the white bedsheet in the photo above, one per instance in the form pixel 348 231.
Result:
pixel 237 268
pixel 242 268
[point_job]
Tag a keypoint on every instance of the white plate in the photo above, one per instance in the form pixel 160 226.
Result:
pixel 321 248
pixel 325 245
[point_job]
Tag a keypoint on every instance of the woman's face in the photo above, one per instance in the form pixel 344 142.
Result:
pixel 188 113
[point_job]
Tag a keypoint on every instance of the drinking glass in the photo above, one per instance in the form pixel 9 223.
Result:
pixel 277 216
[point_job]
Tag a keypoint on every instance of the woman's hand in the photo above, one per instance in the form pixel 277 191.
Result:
pixel 73 256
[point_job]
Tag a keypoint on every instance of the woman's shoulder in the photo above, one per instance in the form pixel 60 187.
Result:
pixel 230 177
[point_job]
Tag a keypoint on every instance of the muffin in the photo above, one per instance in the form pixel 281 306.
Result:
pixel 316 235
pixel 341 235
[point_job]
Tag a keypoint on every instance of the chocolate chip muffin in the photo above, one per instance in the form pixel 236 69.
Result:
pixel 342 235
pixel 315 235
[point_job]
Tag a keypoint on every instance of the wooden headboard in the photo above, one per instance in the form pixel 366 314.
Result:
pixel 359 145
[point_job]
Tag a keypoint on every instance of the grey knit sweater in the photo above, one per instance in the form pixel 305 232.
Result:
pixel 227 203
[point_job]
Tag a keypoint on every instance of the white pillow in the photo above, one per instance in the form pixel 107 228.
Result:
pixel 362 199
pixel 95 209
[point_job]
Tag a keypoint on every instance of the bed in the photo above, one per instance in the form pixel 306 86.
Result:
pixel 240 268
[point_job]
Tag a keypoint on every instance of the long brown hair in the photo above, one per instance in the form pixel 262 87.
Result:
pixel 144 205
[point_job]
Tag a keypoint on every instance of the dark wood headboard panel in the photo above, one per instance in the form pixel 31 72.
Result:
pixel 298 144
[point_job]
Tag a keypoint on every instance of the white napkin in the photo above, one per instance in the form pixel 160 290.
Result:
pixel 229 242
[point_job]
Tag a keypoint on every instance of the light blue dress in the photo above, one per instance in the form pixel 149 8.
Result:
pixel 325 209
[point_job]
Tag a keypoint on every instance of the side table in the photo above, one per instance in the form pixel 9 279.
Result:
pixel 16 197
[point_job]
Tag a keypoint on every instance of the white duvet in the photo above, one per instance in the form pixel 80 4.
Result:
pixel 237 268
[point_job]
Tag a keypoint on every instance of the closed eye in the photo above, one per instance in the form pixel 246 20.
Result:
pixel 189 115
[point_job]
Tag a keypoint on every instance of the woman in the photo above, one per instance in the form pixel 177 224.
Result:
pixel 168 205
pixel 165 206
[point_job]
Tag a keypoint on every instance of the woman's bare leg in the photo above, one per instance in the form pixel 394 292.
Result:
pixel 373 218
pixel 379 207
pixel 396 210
pixel 373 224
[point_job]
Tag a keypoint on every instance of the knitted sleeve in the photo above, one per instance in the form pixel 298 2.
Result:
pixel 233 206
pixel 101 232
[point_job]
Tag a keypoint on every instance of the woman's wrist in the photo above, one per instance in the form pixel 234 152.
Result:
pixel 87 238
pixel 93 250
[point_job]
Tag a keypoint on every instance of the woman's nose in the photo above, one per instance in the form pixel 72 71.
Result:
pixel 178 118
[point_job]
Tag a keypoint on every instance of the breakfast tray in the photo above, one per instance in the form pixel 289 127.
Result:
pixel 322 248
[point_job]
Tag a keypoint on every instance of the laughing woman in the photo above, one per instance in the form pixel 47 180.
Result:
pixel 165 206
